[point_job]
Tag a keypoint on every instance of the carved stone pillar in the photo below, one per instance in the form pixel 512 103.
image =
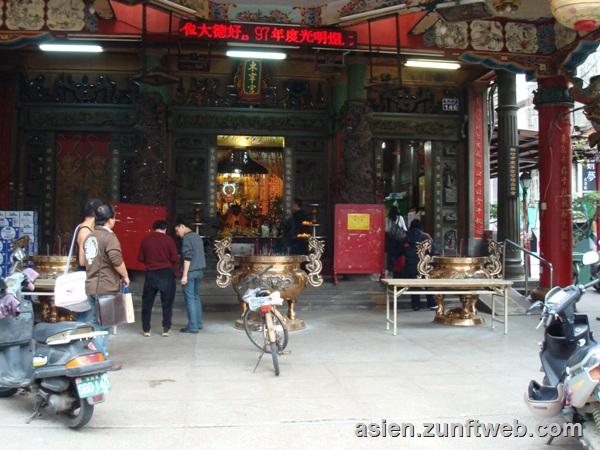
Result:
pixel 508 171
pixel 553 102
pixel 148 177
pixel 355 181
pixel 7 138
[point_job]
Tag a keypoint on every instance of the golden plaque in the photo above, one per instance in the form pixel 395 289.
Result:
pixel 359 222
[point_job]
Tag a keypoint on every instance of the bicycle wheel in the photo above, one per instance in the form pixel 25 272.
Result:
pixel 254 325
pixel 275 356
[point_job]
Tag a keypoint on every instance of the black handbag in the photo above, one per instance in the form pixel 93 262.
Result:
pixel 111 311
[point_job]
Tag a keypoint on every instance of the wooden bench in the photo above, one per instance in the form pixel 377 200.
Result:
pixel 396 287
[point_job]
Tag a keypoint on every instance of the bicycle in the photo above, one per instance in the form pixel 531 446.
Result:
pixel 265 326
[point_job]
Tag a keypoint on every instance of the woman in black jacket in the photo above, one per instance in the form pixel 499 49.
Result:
pixel 409 250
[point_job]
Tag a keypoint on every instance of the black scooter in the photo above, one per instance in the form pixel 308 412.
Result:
pixel 570 358
pixel 56 362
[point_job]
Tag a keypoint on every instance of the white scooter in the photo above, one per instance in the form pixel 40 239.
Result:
pixel 570 360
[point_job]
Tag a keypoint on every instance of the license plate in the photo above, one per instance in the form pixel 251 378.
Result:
pixel 92 385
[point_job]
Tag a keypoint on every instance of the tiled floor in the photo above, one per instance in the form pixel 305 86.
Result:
pixel 198 391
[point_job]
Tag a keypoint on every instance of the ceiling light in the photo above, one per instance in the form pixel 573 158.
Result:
pixel 255 54
pixel 461 10
pixel 76 48
pixel 373 13
pixel 428 64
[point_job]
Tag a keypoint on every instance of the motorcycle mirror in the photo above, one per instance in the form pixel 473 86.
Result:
pixel 590 258
pixel 18 254
pixel 534 306
pixel 540 323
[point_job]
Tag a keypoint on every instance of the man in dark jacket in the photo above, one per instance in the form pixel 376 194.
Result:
pixel 409 249
pixel 159 255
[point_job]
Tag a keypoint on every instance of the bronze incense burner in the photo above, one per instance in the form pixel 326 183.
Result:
pixel 459 268
pixel 283 273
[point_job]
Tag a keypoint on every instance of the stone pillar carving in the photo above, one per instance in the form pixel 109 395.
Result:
pixel 355 181
pixel 148 176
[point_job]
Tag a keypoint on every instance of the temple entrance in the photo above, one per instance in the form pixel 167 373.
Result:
pixel 250 174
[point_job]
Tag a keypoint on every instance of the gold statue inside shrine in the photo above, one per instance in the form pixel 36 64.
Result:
pixel 250 185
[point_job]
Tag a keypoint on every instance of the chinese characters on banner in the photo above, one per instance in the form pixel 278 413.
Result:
pixel 477 157
pixel 267 34
pixel 565 190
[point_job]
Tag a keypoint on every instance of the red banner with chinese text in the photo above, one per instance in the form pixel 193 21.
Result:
pixel 476 127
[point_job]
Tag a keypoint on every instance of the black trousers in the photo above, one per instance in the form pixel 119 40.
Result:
pixel 163 281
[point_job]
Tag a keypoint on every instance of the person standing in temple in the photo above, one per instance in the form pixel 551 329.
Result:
pixel 409 250
pixel 85 228
pixel 105 268
pixel 395 233
pixel 294 226
pixel 194 263
pixel 159 255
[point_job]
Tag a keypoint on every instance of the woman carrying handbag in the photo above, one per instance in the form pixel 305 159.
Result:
pixel 105 269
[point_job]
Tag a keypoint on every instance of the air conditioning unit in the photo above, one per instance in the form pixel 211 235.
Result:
pixel 461 10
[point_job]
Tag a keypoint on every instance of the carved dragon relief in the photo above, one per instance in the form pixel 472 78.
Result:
pixel 225 263
pixel 424 266
pixel 314 266
pixel 590 98
pixel 493 267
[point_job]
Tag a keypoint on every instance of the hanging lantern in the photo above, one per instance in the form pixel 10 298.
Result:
pixel 581 15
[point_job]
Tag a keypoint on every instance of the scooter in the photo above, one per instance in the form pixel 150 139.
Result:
pixel 570 358
pixel 57 363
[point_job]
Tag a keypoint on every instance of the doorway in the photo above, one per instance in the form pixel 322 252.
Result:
pixel 250 183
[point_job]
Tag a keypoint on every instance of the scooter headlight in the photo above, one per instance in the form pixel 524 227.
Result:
pixel 592 367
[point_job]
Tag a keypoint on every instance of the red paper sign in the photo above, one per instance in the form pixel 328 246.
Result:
pixel 268 34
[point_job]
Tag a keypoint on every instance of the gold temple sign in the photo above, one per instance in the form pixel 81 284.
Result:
pixel 359 222
pixel 513 171
pixel 227 140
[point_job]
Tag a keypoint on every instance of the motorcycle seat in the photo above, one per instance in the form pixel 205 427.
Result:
pixel 42 331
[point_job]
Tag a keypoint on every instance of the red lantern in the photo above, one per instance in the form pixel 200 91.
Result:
pixel 581 15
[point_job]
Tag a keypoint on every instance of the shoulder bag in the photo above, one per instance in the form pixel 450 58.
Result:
pixel 69 289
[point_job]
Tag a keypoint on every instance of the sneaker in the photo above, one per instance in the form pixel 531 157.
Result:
pixel 146 333
pixel 187 330
pixel 167 333
pixel 433 308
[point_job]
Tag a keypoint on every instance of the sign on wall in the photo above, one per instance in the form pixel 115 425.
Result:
pixel 589 177
pixel 267 34
pixel 513 172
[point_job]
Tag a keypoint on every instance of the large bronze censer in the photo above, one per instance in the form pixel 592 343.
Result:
pixel 49 267
pixel 282 273
pixel 459 268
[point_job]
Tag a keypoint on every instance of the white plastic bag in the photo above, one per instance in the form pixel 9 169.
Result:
pixel 69 292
